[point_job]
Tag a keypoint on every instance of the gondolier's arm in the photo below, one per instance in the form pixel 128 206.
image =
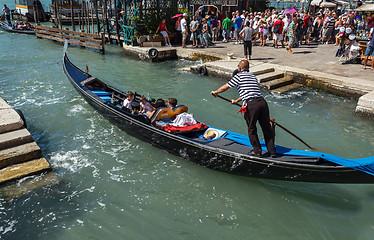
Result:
pixel 223 88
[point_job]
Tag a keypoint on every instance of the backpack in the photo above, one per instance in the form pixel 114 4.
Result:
pixel 277 27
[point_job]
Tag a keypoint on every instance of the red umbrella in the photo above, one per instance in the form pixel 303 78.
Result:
pixel 177 15
pixel 290 11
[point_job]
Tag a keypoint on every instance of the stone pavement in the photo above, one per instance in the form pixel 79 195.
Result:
pixel 311 57
pixel 312 64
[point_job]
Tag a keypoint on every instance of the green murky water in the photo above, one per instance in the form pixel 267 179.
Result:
pixel 114 186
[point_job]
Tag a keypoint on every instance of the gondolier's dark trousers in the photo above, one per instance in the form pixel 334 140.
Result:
pixel 8 19
pixel 258 110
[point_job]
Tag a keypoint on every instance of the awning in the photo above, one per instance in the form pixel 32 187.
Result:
pixel 315 2
pixel 328 4
pixel 365 8
pixel 338 2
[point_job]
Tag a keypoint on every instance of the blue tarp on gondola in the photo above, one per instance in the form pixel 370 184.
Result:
pixel 363 164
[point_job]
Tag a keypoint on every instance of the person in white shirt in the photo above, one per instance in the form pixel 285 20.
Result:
pixel 256 27
pixel 286 20
pixel 127 102
pixel 184 29
pixel 243 16
pixel 145 106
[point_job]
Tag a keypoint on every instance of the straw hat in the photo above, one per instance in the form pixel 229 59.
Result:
pixel 211 134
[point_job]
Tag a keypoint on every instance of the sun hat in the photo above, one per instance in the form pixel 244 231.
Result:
pixel 211 134
pixel 352 37
pixel 185 15
pixel 214 133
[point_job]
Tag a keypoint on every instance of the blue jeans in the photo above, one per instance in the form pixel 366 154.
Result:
pixel 369 49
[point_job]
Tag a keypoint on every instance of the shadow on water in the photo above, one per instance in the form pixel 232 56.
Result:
pixel 371 194
pixel 331 196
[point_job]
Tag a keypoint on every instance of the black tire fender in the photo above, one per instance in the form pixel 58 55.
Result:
pixel 21 116
pixel 152 53
pixel 202 70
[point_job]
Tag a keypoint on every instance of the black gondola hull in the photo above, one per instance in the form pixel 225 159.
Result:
pixel 5 27
pixel 214 158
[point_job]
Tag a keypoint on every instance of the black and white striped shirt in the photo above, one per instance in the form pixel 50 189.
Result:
pixel 247 85
pixel 331 23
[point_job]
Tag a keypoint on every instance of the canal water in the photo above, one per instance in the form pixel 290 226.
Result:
pixel 114 186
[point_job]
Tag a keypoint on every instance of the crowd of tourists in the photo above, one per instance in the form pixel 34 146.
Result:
pixel 272 28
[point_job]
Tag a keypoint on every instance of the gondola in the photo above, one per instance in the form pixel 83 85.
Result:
pixel 227 153
pixel 8 28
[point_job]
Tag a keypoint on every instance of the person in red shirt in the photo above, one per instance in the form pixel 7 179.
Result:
pixel 305 30
pixel 164 31
pixel 278 31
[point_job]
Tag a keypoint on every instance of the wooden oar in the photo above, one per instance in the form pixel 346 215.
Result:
pixel 272 119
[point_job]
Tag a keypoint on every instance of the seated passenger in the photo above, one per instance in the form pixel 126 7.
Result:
pixel 172 102
pixel 15 25
pixel 145 106
pixel 127 102
pixel 29 26
pixel 20 26
pixel 160 103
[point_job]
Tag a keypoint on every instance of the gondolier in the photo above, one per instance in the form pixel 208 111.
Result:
pixel 6 12
pixel 256 107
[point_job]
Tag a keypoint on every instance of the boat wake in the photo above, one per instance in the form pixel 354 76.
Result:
pixel 77 109
pixel 72 161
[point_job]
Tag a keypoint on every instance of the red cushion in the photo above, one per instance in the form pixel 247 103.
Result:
pixel 172 129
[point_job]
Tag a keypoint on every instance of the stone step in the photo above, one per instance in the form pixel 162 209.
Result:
pixel 365 105
pixel 29 184
pixel 4 104
pixel 258 71
pixel 23 169
pixel 15 138
pixel 270 85
pixel 266 77
pixel 21 153
pixel 287 88
pixel 151 44
pixel 9 120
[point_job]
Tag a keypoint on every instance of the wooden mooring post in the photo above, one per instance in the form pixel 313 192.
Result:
pixel 72 15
